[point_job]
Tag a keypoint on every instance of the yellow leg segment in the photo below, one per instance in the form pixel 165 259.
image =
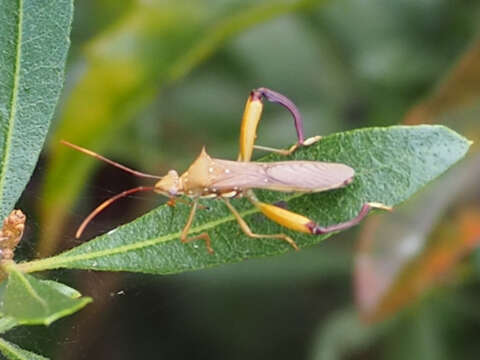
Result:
pixel 248 129
pixel 204 236
pixel 303 224
pixel 246 229
pixel 284 217
pixel 251 118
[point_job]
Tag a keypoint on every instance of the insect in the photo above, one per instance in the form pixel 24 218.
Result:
pixel 209 177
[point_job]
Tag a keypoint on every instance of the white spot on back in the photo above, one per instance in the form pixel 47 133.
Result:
pixel 229 194
pixel 209 196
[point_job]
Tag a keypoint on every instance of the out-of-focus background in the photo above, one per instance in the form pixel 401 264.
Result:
pixel 150 81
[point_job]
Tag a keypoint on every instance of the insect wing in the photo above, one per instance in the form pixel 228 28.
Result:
pixel 309 175
pixel 302 176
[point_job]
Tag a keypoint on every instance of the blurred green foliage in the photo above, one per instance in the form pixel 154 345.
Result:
pixel 32 302
pixel 150 82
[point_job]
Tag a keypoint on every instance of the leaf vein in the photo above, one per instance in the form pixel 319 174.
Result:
pixel 32 291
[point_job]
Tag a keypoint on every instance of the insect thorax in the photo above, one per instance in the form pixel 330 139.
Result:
pixel 200 178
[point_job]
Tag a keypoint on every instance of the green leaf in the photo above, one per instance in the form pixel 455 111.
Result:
pixel 390 163
pixel 62 289
pixel 14 352
pixel 156 44
pixel 34 40
pixel 7 323
pixel 30 301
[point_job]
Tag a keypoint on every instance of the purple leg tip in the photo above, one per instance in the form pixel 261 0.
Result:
pixel 278 98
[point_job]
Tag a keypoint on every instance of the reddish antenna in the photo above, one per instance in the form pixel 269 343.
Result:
pixel 111 162
pixel 107 203
pixel 111 200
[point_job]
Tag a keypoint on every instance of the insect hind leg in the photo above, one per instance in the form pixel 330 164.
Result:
pixel 291 149
pixel 251 117
pixel 288 104
pixel 318 230
pixel 304 224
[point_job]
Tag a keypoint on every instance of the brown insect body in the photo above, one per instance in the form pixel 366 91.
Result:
pixel 209 177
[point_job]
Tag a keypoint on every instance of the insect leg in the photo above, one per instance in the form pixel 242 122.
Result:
pixel 204 236
pixel 251 118
pixel 291 149
pixel 302 223
pixel 248 129
pixel 173 201
pixel 246 229
pixel 318 230
pixel 278 98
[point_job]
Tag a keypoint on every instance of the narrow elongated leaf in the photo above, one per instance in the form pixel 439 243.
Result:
pixel 30 301
pixel 34 40
pixel 460 87
pixel 14 352
pixel 390 164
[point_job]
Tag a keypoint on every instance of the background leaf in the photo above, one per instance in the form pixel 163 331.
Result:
pixel 14 352
pixel 386 277
pixel 461 87
pixel 34 40
pixel 30 301
pixel 406 274
pixel 7 323
pixel 390 164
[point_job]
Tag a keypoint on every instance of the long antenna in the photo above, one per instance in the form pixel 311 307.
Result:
pixel 107 203
pixel 111 162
